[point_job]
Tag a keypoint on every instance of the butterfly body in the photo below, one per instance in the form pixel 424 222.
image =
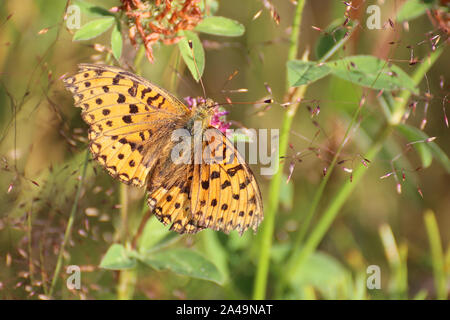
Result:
pixel 131 124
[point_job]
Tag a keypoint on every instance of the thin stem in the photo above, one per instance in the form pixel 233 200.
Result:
pixel 260 284
pixel 43 274
pixel 142 225
pixel 396 256
pixel 124 212
pixel 127 284
pixel 312 209
pixel 318 195
pixel 345 191
pixel 437 255
pixel 339 44
pixel 69 226
pixel 30 250
pixel 400 106
pixel 330 213
pixel 276 181
pixel 127 278
pixel 295 35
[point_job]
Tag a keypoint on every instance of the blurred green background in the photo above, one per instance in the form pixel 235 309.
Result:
pixel 43 142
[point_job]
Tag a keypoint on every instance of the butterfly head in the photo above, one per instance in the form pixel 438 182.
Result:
pixel 207 111
pixel 204 110
pixel 207 104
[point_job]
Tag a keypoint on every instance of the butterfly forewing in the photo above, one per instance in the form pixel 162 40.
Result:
pixel 124 112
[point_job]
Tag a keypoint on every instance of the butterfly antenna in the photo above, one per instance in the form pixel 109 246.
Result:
pixel 267 101
pixel 191 46
pixel 230 77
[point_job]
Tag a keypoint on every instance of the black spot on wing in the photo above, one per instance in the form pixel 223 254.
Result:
pixel 144 92
pixel 151 99
pixel 121 98
pixel 133 108
pixel 117 78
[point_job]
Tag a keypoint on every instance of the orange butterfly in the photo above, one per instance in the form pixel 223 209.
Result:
pixel 131 123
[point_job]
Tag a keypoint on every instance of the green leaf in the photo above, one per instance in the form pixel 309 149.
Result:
pixel 117 258
pixel 220 26
pixel 93 29
pixel 116 41
pixel 333 34
pixel 154 233
pixel 324 273
pixel 186 53
pixel 185 262
pixel 305 72
pixel 91 9
pixel 340 92
pixel 236 242
pixel 216 251
pixel 426 148
pixel 413 9
pixel 369 71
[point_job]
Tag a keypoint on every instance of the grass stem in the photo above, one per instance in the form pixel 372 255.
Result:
pixel 437 256
pixel 260 284
pixel 69 227
pixel 330 213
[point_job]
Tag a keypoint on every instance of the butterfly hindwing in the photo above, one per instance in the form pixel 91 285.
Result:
pixel 227 187
pixel 172 205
